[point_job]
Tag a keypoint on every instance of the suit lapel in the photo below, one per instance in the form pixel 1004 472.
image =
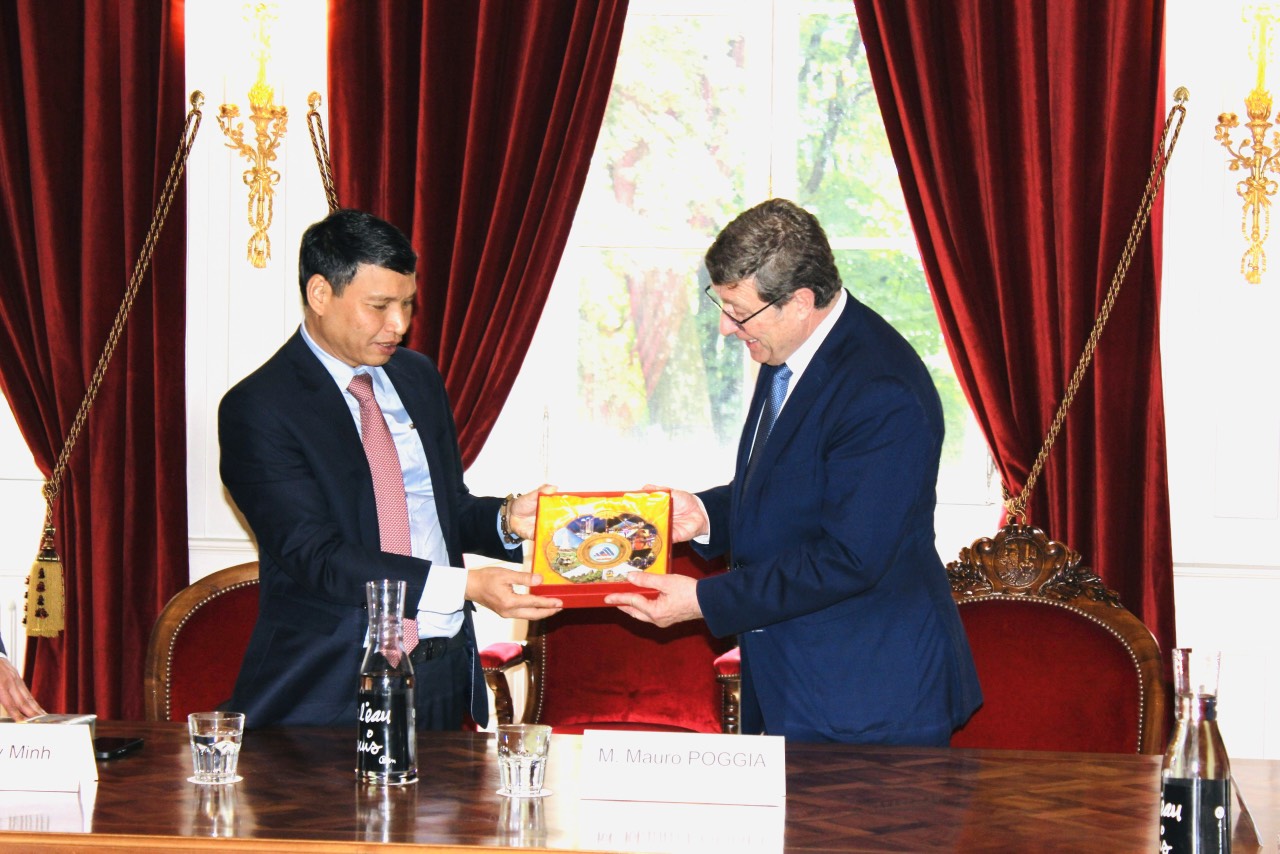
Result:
pixel 812 385
pixel 763 378
pixel 326 419
pixel 322 407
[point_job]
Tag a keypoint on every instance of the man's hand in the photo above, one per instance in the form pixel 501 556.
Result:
pixel 494 588
pixel 677 599
pixel 524 511
pixel 688 519
pixel 15 699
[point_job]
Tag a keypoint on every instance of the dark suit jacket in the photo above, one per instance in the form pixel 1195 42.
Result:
pixel 292 459
pixel 842 607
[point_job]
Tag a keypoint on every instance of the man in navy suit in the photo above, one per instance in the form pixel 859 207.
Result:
pixel 15 698
pixel 293 460
pixel 842 608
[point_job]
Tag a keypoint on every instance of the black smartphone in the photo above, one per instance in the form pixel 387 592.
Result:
pixel 111 748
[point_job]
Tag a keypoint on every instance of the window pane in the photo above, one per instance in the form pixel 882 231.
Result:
pixel 844 170
pixel 628 380
pixel 672 160
pixel 649 359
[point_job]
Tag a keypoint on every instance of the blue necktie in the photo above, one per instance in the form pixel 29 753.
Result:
pixel 772 405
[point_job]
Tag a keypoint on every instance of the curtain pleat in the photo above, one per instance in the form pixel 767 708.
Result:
pixel 1023 137
pixel 92 100
pixel 471 127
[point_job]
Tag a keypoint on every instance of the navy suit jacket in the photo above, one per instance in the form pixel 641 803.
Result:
pixel 841 605
pixel 292 459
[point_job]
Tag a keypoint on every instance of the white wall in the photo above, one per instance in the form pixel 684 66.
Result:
pixel 21 524
pixel 238 315
pixel 1222 408
pixel 1220 352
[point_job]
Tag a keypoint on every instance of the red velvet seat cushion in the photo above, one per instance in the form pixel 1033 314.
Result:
pixel 604 670
pixel 1052 679
pixel 501 653
pixel 208 649
pixel 729 664
pixel 579 728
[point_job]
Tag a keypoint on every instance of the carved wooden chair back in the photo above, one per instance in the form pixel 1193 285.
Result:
pixel 1063 664
pixel 197 644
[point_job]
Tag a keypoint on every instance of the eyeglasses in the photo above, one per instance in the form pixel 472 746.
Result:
pixel 741 324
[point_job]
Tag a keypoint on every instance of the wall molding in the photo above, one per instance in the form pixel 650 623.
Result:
pixel 1227 571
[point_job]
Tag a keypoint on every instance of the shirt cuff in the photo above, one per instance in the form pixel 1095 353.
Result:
pixel 442 599
pixel 703 539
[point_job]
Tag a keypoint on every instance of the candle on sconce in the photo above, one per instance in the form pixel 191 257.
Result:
pixel 270 121
pixel 1252 155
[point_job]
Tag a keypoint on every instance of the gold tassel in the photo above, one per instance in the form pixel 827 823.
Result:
pixel 46 593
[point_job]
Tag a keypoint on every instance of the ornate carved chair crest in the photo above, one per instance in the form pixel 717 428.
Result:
pixel 1022 560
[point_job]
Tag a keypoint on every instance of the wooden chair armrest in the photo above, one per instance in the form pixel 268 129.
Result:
pixel 496 659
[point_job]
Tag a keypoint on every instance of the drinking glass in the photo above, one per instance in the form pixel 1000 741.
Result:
pixel 215 746
pixel 522 759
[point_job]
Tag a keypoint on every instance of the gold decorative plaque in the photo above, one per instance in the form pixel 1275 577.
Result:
pixel 585 544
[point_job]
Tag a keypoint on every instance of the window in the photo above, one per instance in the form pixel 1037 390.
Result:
pixel 714 108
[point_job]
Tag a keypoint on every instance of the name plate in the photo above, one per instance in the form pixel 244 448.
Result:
pixel 46 757
pixel 677 767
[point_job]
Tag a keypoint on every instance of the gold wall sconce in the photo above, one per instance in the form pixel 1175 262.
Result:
pixel 1253 156
pixel 269 122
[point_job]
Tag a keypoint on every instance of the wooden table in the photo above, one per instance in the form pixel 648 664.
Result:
pixel 299 793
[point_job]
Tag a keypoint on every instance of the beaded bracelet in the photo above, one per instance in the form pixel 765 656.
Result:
pixel 509 536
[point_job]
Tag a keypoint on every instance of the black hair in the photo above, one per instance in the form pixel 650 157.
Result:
pixel 337 245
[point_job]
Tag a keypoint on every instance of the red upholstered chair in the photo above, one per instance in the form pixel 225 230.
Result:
pixel 1063 665
pixel 198 642
pixel 597 668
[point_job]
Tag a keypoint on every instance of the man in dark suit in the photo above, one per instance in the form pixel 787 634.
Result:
pixel 15 698
pixel 841 605
pixel 294 458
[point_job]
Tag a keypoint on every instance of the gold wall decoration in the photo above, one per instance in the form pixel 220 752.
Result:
pixel 1252 155
pixel 269 122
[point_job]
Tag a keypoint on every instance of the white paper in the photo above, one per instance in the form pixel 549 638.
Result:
pixel 693 768
pixel 46 757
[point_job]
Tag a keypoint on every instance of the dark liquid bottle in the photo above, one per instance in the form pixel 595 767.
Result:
pixel 1195 792
pixel 386 739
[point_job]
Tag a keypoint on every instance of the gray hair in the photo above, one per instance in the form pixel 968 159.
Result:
pixel 782 246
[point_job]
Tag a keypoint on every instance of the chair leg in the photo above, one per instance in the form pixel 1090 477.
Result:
pixel 503 707
pixel 731 699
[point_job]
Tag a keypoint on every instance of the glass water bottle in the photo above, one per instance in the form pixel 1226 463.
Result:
pixel 386 741
pixel 1195 778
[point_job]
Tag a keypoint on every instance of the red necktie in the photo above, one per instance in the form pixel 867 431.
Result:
pixel 388 482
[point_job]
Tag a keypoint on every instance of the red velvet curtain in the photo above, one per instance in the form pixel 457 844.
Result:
pixel 471 126
pixel 1023 137
pixel 91 95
